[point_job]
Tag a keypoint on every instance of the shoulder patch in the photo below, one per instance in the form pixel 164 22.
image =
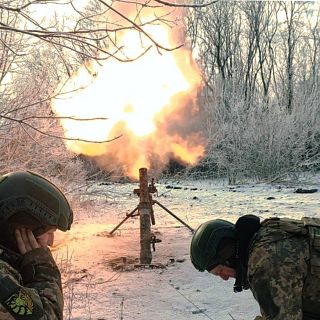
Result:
pixel 20 303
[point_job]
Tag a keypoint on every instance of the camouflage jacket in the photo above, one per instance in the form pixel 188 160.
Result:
pixel 30 289
pixel 279 273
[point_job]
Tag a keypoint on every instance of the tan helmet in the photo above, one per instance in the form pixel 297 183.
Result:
pixel 31 196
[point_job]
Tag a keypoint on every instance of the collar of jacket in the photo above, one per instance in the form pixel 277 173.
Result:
pixel 246 227
pixel 9 256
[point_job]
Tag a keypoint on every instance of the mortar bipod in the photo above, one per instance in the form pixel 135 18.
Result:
pixel 152 189
pixel 146 214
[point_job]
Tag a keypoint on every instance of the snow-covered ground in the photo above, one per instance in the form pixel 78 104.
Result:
pixel 102 278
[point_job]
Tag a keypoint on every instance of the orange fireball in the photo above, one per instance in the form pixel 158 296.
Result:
pixel 149 102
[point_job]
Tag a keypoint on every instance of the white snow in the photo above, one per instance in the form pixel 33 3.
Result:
pixel 85 254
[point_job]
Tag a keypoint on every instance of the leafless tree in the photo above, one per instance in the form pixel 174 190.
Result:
pixel 261 70
pixel 293 22
pixel 39 49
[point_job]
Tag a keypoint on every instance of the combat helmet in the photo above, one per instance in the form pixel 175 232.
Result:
pixel 29 198
pixel 206 250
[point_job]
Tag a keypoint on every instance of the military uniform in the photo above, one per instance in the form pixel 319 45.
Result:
pixel 30 283
pixel 284 270
pixel 30 286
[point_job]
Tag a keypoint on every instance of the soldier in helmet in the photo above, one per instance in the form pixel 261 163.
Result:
pixel 31 210
pixel 277 259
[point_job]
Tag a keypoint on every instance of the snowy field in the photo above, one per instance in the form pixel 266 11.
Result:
pixel 101 275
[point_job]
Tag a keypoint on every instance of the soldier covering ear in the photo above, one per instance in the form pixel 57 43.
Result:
pixel 31 210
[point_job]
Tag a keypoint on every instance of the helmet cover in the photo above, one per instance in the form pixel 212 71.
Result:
pixel 205 242
pixel 27 194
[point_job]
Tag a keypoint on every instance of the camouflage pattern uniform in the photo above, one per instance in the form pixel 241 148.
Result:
pixel 279 272
pixel 30 286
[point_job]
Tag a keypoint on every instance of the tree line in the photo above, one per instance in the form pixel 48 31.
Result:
pixel 261 99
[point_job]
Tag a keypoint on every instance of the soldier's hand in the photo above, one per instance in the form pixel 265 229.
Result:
pixel 26 241
pixel 258 318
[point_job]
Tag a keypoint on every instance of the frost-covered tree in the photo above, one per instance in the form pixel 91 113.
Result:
pixel 261 69
pixel 44 42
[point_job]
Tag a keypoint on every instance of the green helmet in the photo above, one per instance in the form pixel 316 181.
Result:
pixel 206 240
pixel 33 197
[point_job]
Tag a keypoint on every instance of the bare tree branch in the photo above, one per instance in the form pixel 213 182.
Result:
pixel 186 5
pixel 23 122
pixel 84 40
pixel 139 28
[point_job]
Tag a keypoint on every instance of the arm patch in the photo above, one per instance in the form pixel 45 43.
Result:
pixel 18 301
